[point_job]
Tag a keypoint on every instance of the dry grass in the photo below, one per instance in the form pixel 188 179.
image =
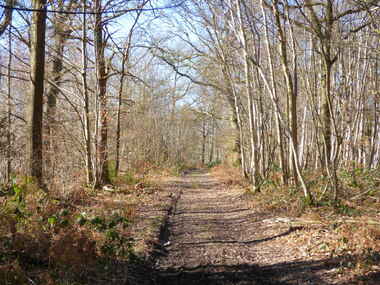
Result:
pixel 229 176
pixel 349 230
pixel 75 236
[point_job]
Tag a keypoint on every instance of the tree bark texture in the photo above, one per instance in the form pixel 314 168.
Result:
pixel 34 109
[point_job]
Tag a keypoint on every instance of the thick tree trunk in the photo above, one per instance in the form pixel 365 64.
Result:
pixel 34 108
pixel 51 111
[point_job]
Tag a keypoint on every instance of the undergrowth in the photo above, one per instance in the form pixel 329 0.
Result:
pixel 348 228
pixel 67 237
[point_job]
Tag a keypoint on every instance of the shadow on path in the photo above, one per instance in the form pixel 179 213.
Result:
pixel 211 237
pixel 299 272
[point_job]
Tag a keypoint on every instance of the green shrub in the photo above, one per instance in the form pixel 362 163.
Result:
pixel 129 178
pixel 213 163
pixel 115 242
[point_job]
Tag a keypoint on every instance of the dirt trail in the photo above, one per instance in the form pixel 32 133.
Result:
pixel 212 237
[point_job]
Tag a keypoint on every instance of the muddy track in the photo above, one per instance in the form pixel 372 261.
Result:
pixel 210 237
pixel 210 234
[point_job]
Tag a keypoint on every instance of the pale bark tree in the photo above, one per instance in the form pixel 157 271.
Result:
pixel 242 34
pixel 323 26
pixel 274 99
pixel 290 80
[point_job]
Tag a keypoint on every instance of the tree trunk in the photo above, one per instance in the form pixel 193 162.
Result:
pixel 204 136
pixel 212 141
pixel 7 19
pixel 34 108
pixel 248 90
pixel 290 86
pixel 9 110
pixel 126 52
pixel 103 175
pixel 236 119
pixel 59 40
pixel 118 123
pixel 279 118
pixel 87 132
pixel 326 115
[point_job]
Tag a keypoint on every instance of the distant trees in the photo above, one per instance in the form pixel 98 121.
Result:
pixel 89 98
pixel 289 71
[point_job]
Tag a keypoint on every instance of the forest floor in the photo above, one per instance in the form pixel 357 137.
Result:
pixel 210 233
pixel 204 227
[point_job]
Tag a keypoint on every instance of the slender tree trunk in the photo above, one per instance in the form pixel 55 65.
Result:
pixel 291 90
pixel 236 119
pixel 279 118
pixel 284 172
pixel 375 121
pixel 253 171
pixel 212 141
pixel 293 101
pixel 118 123
pixel 212 149
pixel 125 60
pixel 103 175
pixel 326 115
pixel 9 109
pixel 302 152
pixel 241 136
pixel 87 131
pixel 204 136
pixel 34 109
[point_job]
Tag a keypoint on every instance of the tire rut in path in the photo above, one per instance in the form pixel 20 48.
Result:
pixel 210 237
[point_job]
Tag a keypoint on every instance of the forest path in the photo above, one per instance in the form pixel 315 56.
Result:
pixel 212 236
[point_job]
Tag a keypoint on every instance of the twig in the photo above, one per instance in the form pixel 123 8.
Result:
pixel 361 194
pixel 31 281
